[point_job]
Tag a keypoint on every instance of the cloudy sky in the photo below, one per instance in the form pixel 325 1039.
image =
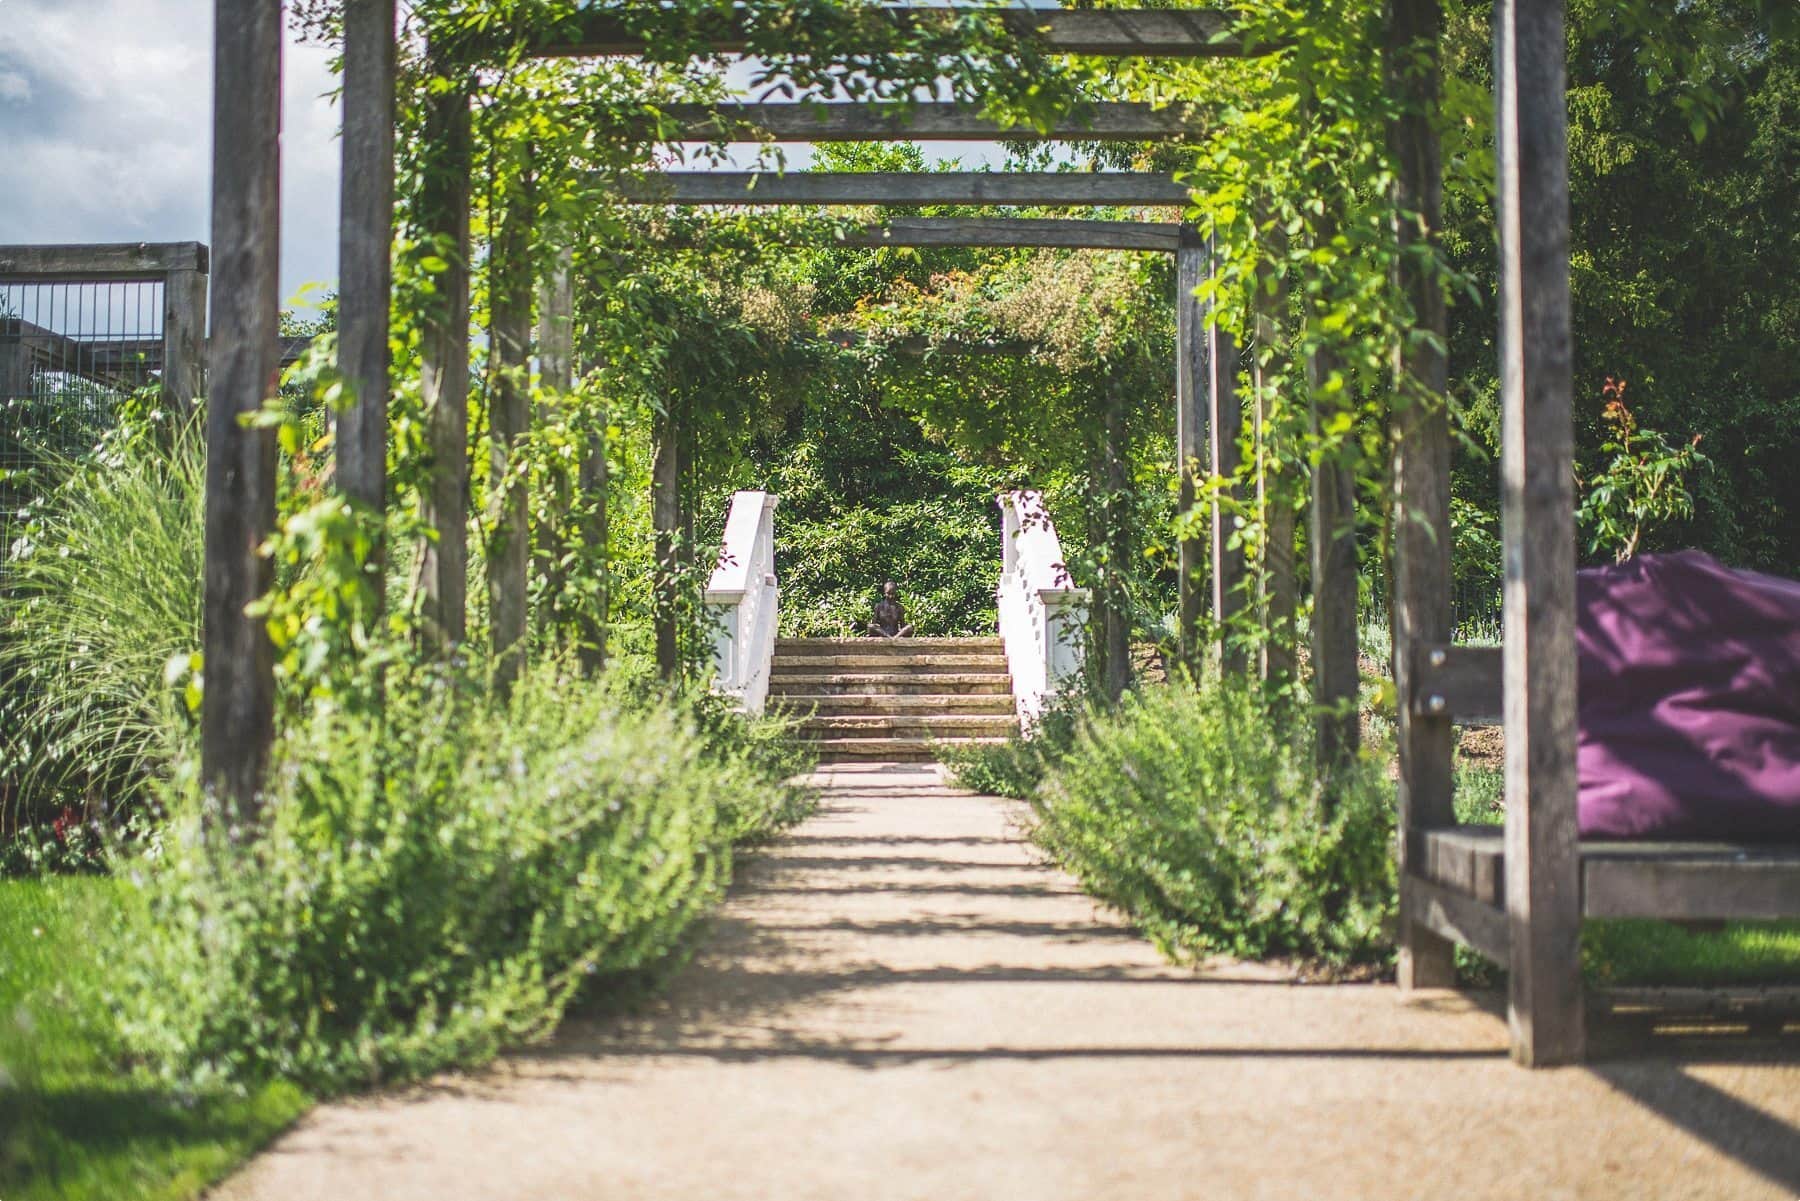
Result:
pixel 106 131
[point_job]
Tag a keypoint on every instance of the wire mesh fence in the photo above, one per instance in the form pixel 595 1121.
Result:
pixel 71 351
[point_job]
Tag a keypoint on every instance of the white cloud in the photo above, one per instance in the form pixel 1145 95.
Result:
pixel 106 130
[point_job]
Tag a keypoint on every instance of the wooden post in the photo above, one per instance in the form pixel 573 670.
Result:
pixel 665 519
pixel 1333 538
pixel 1280 589
pixel 184 337
pixel 237 719
pixel 509 422
pixel 556 323
pixel 1115 626
pixel 1421 464
pixel 365 239
pixel 1226 428
pixel 444 369
pixel 1192 376
pixel 1543 880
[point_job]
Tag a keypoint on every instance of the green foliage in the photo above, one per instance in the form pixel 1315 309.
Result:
pixel 1016 767
pixel 75 1126
pixel 1644 486
pixel 1198 812
pixel 102 598
pixel 432 883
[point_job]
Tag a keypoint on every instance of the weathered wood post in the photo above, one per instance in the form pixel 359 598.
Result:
pixel 184 332
pixel 444 362
pixel 1192 378
pixel 1420 440
pixel 1280 589
pixel 665 519
pixel 365 240
pixel 1110 601
pixel 1333 545
pixel 237 718
pixel 1543 881
pixel 1225 429
pixel 510 289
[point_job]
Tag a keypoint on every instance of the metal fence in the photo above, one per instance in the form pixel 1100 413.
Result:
pixel 81 329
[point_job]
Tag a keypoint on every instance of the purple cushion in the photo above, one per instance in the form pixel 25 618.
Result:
pixel 1690 701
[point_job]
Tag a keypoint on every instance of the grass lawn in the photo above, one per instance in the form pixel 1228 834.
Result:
pixel 73 1124
pixel 1644 952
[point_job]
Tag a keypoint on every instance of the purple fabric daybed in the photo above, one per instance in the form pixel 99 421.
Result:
pixel 1690 701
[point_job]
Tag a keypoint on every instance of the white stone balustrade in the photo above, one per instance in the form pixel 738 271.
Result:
pixel 743 600
pixel 1042 613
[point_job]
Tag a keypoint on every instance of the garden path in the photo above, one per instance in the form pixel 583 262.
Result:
pixel 900 1001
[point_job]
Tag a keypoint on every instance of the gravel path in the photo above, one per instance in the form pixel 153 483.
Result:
pixel 899 1001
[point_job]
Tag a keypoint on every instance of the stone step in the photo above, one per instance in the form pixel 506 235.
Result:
pixel 892 750
pixel 887 725
pixel 863 702
pixel 818 664
pixel 891 683
pixel 897 646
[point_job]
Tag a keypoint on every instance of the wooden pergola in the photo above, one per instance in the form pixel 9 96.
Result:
pixel 1531 925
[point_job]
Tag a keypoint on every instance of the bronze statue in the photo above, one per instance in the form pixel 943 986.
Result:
pixel 889 618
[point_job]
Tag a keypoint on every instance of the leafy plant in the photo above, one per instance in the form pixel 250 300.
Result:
pixel 1198 812
pixel 1643 486
pixel 431 883
pixel 103 593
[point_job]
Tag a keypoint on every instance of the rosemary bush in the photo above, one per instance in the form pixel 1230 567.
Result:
pixel 433 884
pixel 1199 813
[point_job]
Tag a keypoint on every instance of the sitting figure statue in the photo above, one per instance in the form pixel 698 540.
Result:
pixel 889 619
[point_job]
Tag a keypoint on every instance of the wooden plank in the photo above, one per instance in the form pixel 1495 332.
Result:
pixel 1469 859
pixel 365 242
pixel 1543 884
pixel 1451 917
pixel 1192 375
pixel 237 717
pixel 184 337
pixel 444 368
pixel 1044 188
pixel 1420 441
pixel 99 262
pixel 1189 33
pixel 1116 121
pixel 508 557
pixel 994 232
pixel 1731 1001
pixel 1456 683
pixel 1652 880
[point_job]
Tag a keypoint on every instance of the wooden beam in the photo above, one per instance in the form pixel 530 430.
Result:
pixel 444 369
pixel 1419 420
pixel 365 245
pixel 1537 473
pixel 1189 33
pixel 100 262
pixel 1701 882
pixel 184 337
pixel 1046 188
pixel 1274 493
pixel 1466 859
pixel 932 121
pixel 237 717
pixel 1225 427
pixel 1450 917
pixel 508 557
pixel 1192 376
pixel 990 232
pixel 1454 683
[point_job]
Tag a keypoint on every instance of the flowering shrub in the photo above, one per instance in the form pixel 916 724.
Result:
pixel 1644 484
